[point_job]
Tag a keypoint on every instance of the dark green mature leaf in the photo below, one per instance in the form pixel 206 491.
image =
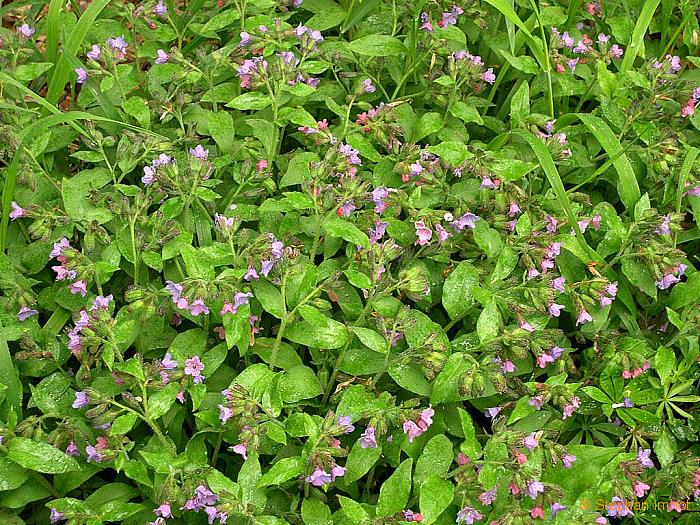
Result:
pixel 394 493
pixel 41 457
pixel 457 294
pixel 377 46
pixel 435 495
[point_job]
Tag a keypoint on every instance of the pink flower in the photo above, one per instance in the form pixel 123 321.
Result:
pixel 78 287
pixel 411 430
pixel 544 359
pixel 640 488
pixel 17 211
pixel 194 367
pixel 558 284
pixel 555 309
pixel 583 317
pixel 537 513
pixel 531 441
pixel 262 165
pixel 423 233
pixel 489 76
pixel 198 307
pixel 162 57
pixel 568 459
pixel 526 326
pixel 368 439
pixel 241 449
pixel 426 418
pixel 25 313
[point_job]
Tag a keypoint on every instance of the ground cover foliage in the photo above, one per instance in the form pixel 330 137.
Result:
pixel 349 262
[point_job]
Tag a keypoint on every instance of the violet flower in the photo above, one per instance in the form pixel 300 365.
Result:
pixel 368 439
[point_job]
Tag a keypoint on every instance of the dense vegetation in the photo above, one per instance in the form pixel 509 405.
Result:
pixel 349 262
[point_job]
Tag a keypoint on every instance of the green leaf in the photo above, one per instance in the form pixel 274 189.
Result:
pixel 253 100
pixel 639 275
pixel 394 493
pixel 523 63
pixel 138 108
pixel 488 325
pixel 360 460
pixel 123 424
pixel 665 364
pixel 636 46
pixel 39 456
pixel 627 188
pixel 27 72
pixel 520 104
pixel 457 294
pixel 284 470
pixel 299 383
pixel 488 239
pixel 435 496
pixel 334 226
pixel 76 191
pixel 248 478
pixel 453 152
pixel 162 400
pixel 446 384
pixel 222 131
pixel 471 446
pixel 220 21
pixel 466 113
pixel 353 510
pixel 11 475
pixel 685 293
pixel 430 122
pixel 298 170
pixel 377 46
pixel 436 458
pixel 665 448
pixel 371 339
pixel 315 512
pixel 270 297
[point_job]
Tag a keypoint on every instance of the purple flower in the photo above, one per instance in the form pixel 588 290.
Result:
pixel 337 472
pixel 81 74
pixel 526 326
pixel 72 450
pixel 378 196
pixel 194 367
pixel 666 281
pixel 346 423
pixel 489 77
pixel 376 233
pixel 319 478
pixel 276 249
pixel 618 507
pixel 25 313
pixel 225 413
pixel 55 516
pixel 25 30
pixel 533 488
pixel 450 18
pixel 492 412
pixel 203 497
pixel 536 402
pixel 199 152
pixel 514 209
pixel 468 515
pixel 532 273
pixel 347 208
pixel 118 44
pixel 531 441
pixel 168 363
pixel 555 309
pixel 198 307
pixel 266 267
pixel 603 38
pixel 349 153
pixel 241 449
pixel 95 52
pixel 367 438
pixel 663 228
pixel 245 38
pixel 508 366
pixel 101 303
pixel 58 247
pixel 367 86
pixel 423 233
pixel 616 51
pixel 93 454
pixel 17 211
pixel 160 9
pixel 567 40
pixel 251 274
pixel 442 233
pixel 551 224
pixel 487 182
pixel 558 284
pixel 468 220
pixel 487 497
pixel 149 175
pixel 568 459
pixel 583 317
pixel 411 430
pixel 81 399
pixel 555 508
pixel 643 457
pixel 162 58
pixel 174 289
pixel 78 287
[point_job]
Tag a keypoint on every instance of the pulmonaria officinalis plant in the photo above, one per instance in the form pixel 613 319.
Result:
pixel 368 262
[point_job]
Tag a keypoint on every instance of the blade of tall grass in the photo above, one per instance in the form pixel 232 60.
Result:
pixel 62 69
pixel 640 29
pixel 628 188
pixel 53 26
pixel 687 165
pixel 550 170
pixel 9 378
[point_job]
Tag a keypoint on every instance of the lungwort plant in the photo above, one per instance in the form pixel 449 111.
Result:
pixel 352 262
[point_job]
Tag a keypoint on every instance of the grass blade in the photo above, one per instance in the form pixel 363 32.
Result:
pixel 535 46
pixel 9 378
pixel 640 29
pixel 627 188
pixel 53 26
pixel 70 48
pixel 550 170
